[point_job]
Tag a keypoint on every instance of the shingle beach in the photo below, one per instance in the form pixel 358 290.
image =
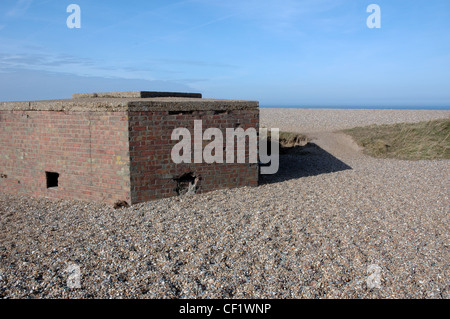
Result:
pixel 333 223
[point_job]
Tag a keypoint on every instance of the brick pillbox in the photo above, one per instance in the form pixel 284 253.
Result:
pixel 110 147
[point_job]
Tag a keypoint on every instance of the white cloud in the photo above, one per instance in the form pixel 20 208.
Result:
pixel 20 8
pixel 279 17
pixel 275 10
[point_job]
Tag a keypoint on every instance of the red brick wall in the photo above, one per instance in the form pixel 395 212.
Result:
pixel 152 169
pixel 111 156
pixel 88 149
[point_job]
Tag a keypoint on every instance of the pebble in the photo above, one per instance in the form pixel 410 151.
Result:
pixel 311 231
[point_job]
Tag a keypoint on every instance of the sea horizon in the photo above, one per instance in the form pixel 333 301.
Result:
pixel 414 108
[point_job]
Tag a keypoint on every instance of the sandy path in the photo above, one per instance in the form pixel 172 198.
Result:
pixel 336 143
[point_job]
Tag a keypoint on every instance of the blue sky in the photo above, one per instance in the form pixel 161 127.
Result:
pixel 281 53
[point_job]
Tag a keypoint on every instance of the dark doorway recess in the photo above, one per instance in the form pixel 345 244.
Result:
pixel 52 179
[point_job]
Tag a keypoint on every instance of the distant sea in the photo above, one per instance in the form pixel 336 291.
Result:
pixel 439 108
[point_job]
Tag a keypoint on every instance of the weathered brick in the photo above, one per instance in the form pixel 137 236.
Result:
pixel 108 151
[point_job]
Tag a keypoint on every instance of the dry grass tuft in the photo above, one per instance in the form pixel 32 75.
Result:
pixel 408 141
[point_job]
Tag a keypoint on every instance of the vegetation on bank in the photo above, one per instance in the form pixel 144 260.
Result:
pixel 289 140
pixel 408 141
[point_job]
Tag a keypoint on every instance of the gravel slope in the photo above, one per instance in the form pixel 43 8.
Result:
pixel 317 229
pixel 318 120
